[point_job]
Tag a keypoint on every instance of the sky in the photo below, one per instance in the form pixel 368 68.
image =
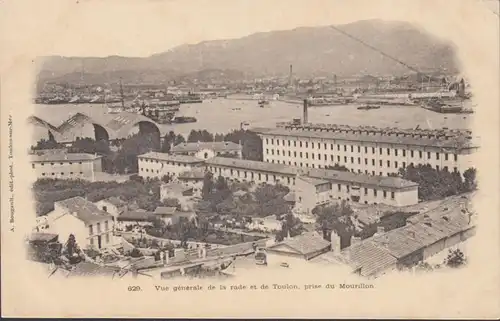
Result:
pixel 144 27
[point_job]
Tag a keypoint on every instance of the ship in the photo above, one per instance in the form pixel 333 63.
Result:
pixel 368 107
pixel 183 120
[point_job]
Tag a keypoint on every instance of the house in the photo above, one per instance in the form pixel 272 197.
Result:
pixel 265 224
pixel 65 165
pixel 206 150
pixel 297 250
pixel 157 165
pixel 178 191
pixel 92 227
pixel 193 178
pixel 311 192
pixel 134 218
pixel 166 214
pixel 112 205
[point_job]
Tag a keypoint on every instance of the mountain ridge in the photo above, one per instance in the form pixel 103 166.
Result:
pixel 311 51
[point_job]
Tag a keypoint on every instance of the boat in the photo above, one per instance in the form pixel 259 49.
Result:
pixel 368 107
pixel 183 120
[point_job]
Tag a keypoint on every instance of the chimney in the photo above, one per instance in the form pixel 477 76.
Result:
pixel 304 113
pixel 355 240
pixel 335 242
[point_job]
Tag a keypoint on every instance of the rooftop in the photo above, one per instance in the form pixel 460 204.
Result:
pixel 63 157
pixel 170 158
pixel 316 173
pixel 84 210
pixel 165 210
pixel 135 216
pixel 216 146
pixel 305 243
pixel 454 142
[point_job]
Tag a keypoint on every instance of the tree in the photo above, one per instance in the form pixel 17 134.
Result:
pixel 179 139
pixel 172 202
pixel 455 259
pixel 470 182
pixel 208 185
pixel 336 218
pixel 46 144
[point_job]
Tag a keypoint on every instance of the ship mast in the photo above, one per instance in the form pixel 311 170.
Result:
pixel 121 95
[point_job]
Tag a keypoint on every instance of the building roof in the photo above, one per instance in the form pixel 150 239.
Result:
pixel 64 157
pixel 84 210
pixel 312 180
pixel 457 142
pixel 215 146
pixel 116 201
pixel 138 216
pixel 170 158
pixel 322 174
pixel 42 237
pixel 305 244
pixel 176 187
pixel 165 210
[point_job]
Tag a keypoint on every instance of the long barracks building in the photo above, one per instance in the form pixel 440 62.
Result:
pixel 365 150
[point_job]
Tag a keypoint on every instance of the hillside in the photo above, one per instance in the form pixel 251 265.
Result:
pixel 311 50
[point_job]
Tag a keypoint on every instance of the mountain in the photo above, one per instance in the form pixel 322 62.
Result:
pixel 311 51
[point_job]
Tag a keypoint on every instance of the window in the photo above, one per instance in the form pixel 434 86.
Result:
pixel 307 155
pixel 33 165
pixel 455 169
pixel 326 147
pixel 43 174
pixel 411 153
pixel 339 187
pixel 278 152
pixel 312 155
pixel 396 164
pixel 267 151
pixel 428 155
pixel 300 154
pixel 404 152
pixel 345 148
pixel 307 144
pixel 91 230
pixel 345 159
pixel 277 142
pixel 294 154
pixel 331 147
pixel 338 148
pixel 106 225
pixel 288 143
pixel 437 156
pixel 98 227
pixel 392 195
pixel 455 157
pixel 272 141
pixel 272 151
pixel 388 151
pixel 289 154
pixel 42 164
pixel 267 140
pixel 348 189
pixel 338 158
pixel 380 151
pixel 312 145
pixel 445 156
pixel 51 163
pixel 388 164
pixel 331 158
pixel 359 160
pixel 385 194
pixel 380 163
pixel 373 162
pixel 366 149
pixel 404 165
pixel 300 144
pixel 373 173
pixel 420 154
pixel 294 143
pixel 319 156
pixel 359 149
pixel 373 150
pixel 352 160
pixel 352 149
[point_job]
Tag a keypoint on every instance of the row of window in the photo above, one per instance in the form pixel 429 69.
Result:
pixel 165 162
pixel 98 226
pixel 396 165
pixel 62 173
pixel 420 154
pixel 61 163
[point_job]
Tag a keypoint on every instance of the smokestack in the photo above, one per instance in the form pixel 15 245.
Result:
pixel 304 113
pixel 335 242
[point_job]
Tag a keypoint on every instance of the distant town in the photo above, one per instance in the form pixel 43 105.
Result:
pixel 212 178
